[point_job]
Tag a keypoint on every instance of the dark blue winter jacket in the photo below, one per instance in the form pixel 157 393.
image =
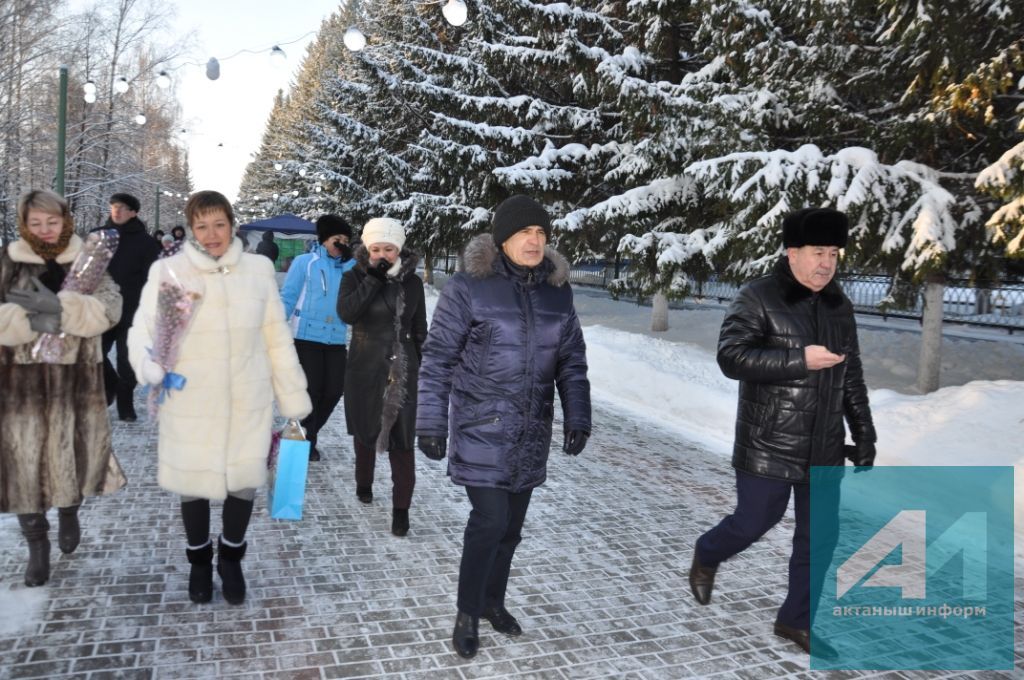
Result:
pixel 501 339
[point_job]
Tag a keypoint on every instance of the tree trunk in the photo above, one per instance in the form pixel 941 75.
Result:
pixel 428 269
pixel 659 312
pixel 931 335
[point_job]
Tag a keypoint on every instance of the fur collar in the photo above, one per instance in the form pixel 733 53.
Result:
pixel 480 260
pixel 794 291
pixel 409 261
pixel 204 263
pixel 20 251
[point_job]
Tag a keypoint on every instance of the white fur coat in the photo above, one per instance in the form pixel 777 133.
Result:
pixel 237 357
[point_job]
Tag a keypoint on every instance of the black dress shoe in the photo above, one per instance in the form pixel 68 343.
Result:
pixel 502 621
pixel 465 637
pixel 314 454
pixel 803 638
pixel 364 494
pixel 702 580
pixel 399 521
pixel 128 417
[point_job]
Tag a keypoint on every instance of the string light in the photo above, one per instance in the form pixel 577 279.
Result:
pixel 163 81
pixel 121 85
pixel 277 56
pixel 455 12
pixel 140 119
pixel 354 39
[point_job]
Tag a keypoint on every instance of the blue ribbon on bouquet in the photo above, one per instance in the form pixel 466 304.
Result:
pixel 172 381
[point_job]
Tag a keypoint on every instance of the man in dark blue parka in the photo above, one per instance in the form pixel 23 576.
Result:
pixel 503 336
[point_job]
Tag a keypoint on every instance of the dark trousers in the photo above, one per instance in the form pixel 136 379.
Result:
pixel 324 366
pixel 403 473
pixel 120 382
pixel 760 504
pixel 492 534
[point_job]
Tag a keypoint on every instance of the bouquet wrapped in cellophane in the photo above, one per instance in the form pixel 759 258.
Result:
pixel 177 300
pixel 83 277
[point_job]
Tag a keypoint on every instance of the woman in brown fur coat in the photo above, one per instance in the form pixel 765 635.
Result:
pixel 54 427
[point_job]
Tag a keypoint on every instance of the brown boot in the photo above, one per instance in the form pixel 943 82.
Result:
pixel 34 528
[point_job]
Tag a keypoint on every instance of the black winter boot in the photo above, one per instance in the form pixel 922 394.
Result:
pixel 229 566
pixel 364 494
pixel 34 528
pixel 200 578
pixel 399 522
pixel 466 636
pixel 69 532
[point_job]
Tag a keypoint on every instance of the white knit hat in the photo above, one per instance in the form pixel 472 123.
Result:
pixel 384 230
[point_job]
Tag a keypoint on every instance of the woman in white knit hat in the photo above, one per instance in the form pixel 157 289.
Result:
pixel 381 298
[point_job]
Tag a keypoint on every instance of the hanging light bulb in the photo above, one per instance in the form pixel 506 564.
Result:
pixel 213 69
pixel 455 12
pixel 278 166
pixel 163 81
pixel 302 172
pixel 319 188
pixel 277 56
pixel 121 85
pixel 90 97
pixel 354 39
pixel 89 87
pixel 295 193
pixel 275 196
pixel 140 119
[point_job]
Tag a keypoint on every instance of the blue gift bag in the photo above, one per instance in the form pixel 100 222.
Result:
pixel 288 479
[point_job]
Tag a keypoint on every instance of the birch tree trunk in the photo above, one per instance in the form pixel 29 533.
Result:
pixel 930 360
pixel 659 312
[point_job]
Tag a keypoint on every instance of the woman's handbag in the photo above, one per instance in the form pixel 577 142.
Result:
pixel 288 462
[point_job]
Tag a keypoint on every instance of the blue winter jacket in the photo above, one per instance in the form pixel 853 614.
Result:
pixel 502 337
pixel 310 296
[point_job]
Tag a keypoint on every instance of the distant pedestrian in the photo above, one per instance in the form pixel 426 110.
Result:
pixel 790 338
pixel 178 233
pixel 310 296
pixel 136 251
pixel 503 337
pixel 267 247
pixel 382 299
pixel 159 235
pixel 237 357
pixel 55 449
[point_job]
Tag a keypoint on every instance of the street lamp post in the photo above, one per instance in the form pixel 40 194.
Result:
pixel 62 129
pixel 156 211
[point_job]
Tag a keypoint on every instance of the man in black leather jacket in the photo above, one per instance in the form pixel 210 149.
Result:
pixel 790 338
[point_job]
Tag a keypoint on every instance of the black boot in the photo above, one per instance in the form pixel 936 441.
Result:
pixel 34 528
pixel 126 404
pixel 465 637
pixel 502 621
pixel 399 522
pixel 364 494
pixel 69 533
pixel 229 566
pixel 200 578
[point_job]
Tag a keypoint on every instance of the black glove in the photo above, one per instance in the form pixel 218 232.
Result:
pixel 44 323
pixel 40 301
pixel 433 448
pixel 861 454
pixel 379 270
pixel 575 440
pixel 345 250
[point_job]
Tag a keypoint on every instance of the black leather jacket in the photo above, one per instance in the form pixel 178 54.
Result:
pixel 790 418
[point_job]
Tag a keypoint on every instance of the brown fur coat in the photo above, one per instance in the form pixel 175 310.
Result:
pixel 54 428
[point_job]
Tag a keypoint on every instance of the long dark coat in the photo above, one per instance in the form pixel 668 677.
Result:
pixel 136 252
pixel 501 339
pixel 55 445
pixel 389 325
pixel 789 417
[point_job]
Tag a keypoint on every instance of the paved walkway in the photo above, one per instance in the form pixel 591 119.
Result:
pixel 599 582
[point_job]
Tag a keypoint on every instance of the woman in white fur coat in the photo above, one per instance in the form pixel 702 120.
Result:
pixel 237 356
pixel 54 427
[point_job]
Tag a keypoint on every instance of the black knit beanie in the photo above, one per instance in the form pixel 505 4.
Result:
pixel 518 212
pixel 331 225
pixel 814 227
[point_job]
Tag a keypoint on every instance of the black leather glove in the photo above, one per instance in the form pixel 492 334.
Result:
pixel 575 440
pixel 345 250
pixel 862 455
pixel 433 448
pixel 44 323
pixel 40 301
pixel 379 270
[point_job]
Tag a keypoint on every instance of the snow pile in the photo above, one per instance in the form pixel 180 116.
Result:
pixel 21 608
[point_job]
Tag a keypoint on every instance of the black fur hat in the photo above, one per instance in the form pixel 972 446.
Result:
pixel 129 201
pixel 518 212
pixel 331 225
pixel 815 227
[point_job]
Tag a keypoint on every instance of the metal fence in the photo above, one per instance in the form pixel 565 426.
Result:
pixel 998 306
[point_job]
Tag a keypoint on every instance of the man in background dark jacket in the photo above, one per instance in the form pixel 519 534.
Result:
pixel 129 267
pixel 790 338
pixel 267 247
pixel 504 335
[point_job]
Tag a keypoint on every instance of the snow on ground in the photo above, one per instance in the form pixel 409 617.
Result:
pixel 20 607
